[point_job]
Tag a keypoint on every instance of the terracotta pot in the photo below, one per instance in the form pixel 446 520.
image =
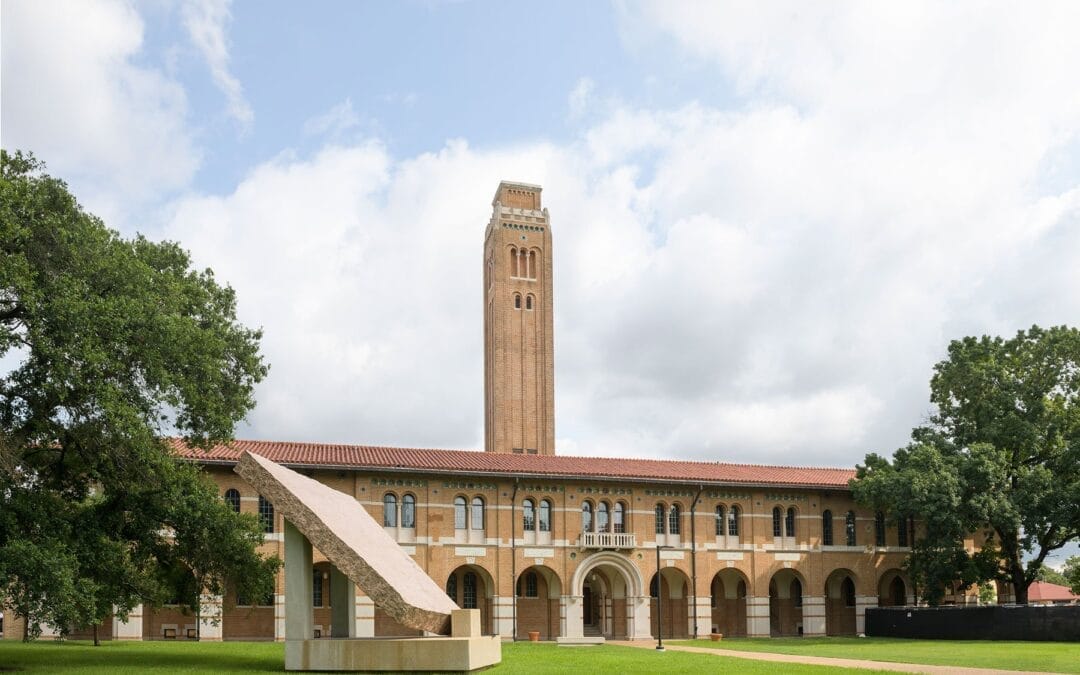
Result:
pixel 716 637
pixel 534 636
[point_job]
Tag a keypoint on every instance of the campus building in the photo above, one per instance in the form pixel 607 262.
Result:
pixel 572 548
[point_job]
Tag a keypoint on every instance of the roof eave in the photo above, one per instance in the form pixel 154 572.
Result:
pixel 534 476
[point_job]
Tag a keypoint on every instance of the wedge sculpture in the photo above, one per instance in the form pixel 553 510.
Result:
pixel 337 525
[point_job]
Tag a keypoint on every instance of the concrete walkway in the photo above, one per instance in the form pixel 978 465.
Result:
pixel 825 660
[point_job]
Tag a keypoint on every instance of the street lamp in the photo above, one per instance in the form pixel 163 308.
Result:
pixel 659 602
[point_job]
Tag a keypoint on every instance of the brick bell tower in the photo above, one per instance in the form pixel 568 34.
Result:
pixel 519 349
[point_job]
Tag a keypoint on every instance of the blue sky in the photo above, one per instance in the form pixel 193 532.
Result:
pixel 769 219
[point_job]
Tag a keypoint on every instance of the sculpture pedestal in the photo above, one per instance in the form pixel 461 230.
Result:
pixel 374 654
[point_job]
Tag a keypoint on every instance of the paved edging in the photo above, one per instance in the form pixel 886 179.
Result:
pixel 828 660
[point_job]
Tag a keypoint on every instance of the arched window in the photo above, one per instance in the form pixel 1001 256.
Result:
pixel 902 530
pixel 673 519
pixel 528 302
pixel 459 513
pixel 849 528
pixel 796 592
pixel 232 498
pixel 789 522
pixel 316 588
pixel 408 511
pixel 879 529
pixel 266 514
pixel 477 513
pixel 530 585
pixel 545 516
pixel 586 516
pixel 826 528
pixel 389 510
pixel 720 521
pixel 528 515
pixel 468 601
pixel 733 522
pixel 777 517
pixel 847 589
pixel 513 262
pixel 619 519
pixel 451 587
pixel 602 517
pixel 532 264
pixel 660 513
pixel 517 301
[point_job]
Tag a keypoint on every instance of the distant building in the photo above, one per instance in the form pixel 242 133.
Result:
pixel 1046 593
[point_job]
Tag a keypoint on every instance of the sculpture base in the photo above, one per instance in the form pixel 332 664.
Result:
pixel 373 654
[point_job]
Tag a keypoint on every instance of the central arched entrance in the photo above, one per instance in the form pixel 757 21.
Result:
pixel 607 599
pixel 538 591
pixel 840 603
pixel 785 603
pixel 729 603
pixel 672 584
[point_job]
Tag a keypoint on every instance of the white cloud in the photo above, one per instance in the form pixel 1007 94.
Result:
pixel 579 98
pixel 334 122
pixel 74 96
pixel 206 22
pixel 767 281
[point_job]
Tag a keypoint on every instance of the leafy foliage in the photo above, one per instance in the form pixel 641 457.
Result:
pixel 998 465
pixel 115 343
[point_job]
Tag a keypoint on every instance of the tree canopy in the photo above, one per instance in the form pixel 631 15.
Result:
pixel 998 464
pixel 107 346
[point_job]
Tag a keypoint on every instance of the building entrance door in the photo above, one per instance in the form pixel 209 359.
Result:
pixel 587 607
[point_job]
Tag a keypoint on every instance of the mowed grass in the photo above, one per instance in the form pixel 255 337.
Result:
pixel 116 658
pixel 1057 657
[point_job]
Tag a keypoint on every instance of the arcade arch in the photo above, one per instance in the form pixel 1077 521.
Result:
pixel 893 589
pixel 729 588
pixel 840 603
pixel 538 591
pixel 472 587
pixel 673 586
pixel 786 590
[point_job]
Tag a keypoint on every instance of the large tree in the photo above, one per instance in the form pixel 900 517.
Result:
pixel 999 461
pixel 106 345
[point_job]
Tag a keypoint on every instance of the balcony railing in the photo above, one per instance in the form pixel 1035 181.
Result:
pixel 608 540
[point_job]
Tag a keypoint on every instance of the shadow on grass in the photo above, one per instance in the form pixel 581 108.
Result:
pixel 131 657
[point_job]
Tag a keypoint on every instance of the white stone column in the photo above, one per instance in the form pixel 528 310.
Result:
pixel 701 613
pixel 210 628
pixel 365 616
pixel 813 615
pixel 757 616
pixel 132 629
pixel 641 616
pixel 570 607
pixel 502 616
pixel 861 603
pixel 299 620
pixel 342 605
pixel 279 617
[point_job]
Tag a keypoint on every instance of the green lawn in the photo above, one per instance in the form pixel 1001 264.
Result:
pixel 1058 657
pixel 117 658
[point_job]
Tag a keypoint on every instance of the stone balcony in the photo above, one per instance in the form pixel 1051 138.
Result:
pixel 613 540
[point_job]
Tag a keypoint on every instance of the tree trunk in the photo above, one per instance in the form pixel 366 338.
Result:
pixel 97 643
pixel 26 629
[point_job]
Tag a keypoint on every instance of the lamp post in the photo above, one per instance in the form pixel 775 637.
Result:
pixel 659 602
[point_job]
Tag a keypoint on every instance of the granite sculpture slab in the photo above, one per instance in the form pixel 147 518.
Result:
pixel 336 524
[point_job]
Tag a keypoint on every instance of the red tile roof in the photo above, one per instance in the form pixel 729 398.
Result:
pixel 1043 591
pixel 489 463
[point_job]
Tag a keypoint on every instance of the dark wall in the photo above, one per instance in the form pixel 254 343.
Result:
pixel 994 622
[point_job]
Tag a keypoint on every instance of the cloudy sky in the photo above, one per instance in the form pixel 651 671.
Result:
pixel 768 221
